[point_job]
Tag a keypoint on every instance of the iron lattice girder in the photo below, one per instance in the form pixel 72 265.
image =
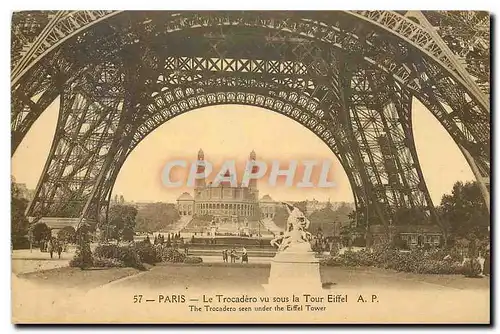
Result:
pixel 37 89
pixel 60 26
pixel 467 121
pixel 177 101
pixel 198 64
pixel 424 38
pixel 67 24
pixel 386 58
pixel 26 27
pixel 467 33
pixel 86 128
pixel 185 99
pixel 308 50
pixel 311 122
pixel 181 101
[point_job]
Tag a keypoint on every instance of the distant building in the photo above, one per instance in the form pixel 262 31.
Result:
pixel 185 204
pixel 24 192
pixel 267 207
pixel 413 235
pixel 315 205
pixel 141 205
pixel 224 202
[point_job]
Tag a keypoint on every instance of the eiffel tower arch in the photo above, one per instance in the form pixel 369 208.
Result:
pixel 349 77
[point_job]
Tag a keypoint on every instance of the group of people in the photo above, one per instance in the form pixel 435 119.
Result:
pixel 322 244
pixel 53 245
pixel 160 238
pixel 173 240
pixel 226 254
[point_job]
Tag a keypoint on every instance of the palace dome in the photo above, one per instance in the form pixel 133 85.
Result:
pixel 185 197
pixel 266 198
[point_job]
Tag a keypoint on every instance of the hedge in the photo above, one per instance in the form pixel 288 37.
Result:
pixel 169 254
pixel 416 261
pixel 135 255
pixel 124 254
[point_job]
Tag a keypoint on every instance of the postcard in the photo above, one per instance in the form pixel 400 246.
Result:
pixel 320 167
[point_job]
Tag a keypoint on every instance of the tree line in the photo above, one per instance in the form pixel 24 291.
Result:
pixel 463 214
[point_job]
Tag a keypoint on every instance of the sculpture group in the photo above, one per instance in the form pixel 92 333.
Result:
pixel 295 264
pixel 296 236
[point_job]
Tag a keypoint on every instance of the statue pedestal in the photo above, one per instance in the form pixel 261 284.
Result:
pixel 294 272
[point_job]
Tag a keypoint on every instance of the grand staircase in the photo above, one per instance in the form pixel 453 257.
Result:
pixel 228 228
pixel 269 224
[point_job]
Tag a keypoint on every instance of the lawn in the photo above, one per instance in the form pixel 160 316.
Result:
pixel 203 276
pixel 352 277
pixel 239 276
pixel 67 277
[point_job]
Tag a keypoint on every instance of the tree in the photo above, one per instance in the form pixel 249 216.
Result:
pixel 83 255
pixel 345 209
pixel 346 234
pixel 128 234
pixel 399 243
pixel 121 220
pixel 281 216
pixel 464 211
pixel 41 232
pixel 19 222
pixel 67 234
pixel 410 216
pixel 323 219
pixel 168 240
pixel 155 217
pixel 327 217
pixel 302 206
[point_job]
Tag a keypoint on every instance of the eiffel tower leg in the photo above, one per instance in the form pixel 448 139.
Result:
pixel 90 111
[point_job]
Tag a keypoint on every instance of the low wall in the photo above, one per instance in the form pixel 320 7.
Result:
pixel 220 247
pixel 229 241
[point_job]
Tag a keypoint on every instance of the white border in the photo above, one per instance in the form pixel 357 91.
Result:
pixel 5 18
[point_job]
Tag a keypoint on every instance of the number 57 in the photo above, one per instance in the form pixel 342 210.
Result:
pixel 137 298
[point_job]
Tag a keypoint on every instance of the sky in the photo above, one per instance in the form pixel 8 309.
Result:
pixel 231 132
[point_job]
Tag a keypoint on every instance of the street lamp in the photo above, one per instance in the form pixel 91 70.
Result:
pixel 260 222
pixel 30 238
pixel 391 230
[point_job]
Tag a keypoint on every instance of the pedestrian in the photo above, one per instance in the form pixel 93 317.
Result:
pixel 233 256
pixel 486 266
pixel 244 255
pixel 59 249
pixel 50 247
pixel 224 255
